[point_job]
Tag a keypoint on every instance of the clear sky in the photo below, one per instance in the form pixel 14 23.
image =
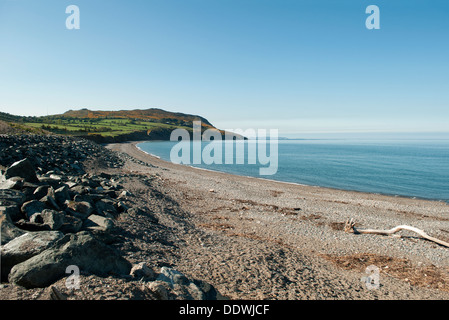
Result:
pixel 298 66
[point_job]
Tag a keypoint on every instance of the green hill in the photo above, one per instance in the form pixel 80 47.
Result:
pixel 109 126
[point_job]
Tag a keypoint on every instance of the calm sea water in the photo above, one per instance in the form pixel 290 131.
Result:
pixel 404 168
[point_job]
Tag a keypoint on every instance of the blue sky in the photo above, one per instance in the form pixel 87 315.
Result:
pixel 302 67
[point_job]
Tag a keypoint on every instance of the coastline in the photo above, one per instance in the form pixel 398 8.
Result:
pixel 247 217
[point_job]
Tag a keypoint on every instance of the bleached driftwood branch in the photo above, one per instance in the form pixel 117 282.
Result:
pixel 350 228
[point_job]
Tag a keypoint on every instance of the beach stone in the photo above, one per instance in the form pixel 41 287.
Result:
pixel 161 289
pixel 172 277
pixel 22 168
pixel 62 195
pixel 99 223
pixel 50 202
pixel 50 181
pixel 81 250
pixel 81 209
pixel 26 246
pixel 52 218
pixel 41 192
pixel 105 208
pixel 71 224
pixel 142 270
pixel 31 226
pixel 31 207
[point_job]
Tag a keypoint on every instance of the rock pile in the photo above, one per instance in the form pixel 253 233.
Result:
pixel 74 215
pixel 47 153
pixel 58 216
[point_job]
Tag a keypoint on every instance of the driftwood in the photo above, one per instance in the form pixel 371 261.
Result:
pixel 350 228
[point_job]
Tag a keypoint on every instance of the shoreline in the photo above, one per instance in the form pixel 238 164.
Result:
pixel 244 219
pixel 135 143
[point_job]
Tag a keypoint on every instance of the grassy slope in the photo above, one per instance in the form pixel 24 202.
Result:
pixel 107 125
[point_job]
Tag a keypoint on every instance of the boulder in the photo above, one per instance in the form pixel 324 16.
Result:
pixel 105 207
pixel 22 168
pixel 62 195
pixel 52 218
pixel 71 224
pixel 81 209
pixel 31 226
pixel 98 223
pixel 26 246
pixel 171 284
pixel 50 181
pixel 142 270
pixel 50 202
pixel 31 207
pixel 41 192
pixel 81 249
pixel 172 277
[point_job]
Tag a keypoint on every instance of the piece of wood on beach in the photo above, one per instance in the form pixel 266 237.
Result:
pixel 350 228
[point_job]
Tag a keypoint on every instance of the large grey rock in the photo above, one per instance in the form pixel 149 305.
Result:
pixel 26 246
pixel 22 168
pixel 81 250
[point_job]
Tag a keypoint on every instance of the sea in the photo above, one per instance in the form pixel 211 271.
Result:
pixel 406 168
